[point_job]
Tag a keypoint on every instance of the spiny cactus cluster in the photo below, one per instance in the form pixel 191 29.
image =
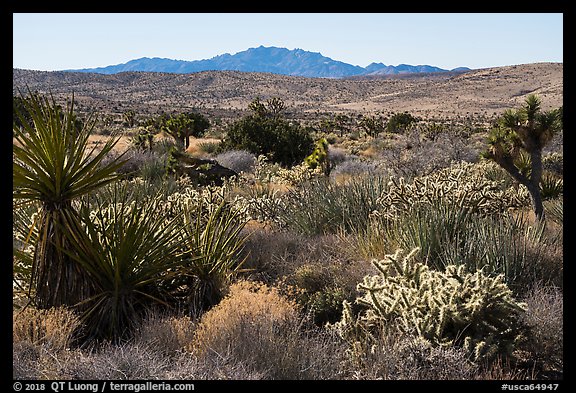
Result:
pixel 463 184
pixel 446 308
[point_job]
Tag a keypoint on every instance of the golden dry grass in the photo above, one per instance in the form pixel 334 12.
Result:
pixel 248 306
pixel 53 327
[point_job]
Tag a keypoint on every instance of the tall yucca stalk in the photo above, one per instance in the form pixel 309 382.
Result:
pixel 52 165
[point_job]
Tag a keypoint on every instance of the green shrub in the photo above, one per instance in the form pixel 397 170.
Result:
pixel 268 132
pixel 325 306
pixel 399 122
pixel 445 308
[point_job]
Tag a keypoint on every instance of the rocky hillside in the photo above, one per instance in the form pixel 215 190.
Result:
pixel 489 91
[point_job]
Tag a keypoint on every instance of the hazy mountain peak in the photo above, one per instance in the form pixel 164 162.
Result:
pixel 277 60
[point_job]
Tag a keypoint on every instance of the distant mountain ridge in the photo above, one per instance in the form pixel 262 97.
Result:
pixel 296 62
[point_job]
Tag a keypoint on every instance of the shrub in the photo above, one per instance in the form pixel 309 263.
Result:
pixel 257 327
pixel 444 308
pixel 165 334
pixel 325 306
pixel 354 167
pixel 545 319
pixel 399 122
pixel 149 165
pixel 403 357
pixel 269 133
pixel 54 327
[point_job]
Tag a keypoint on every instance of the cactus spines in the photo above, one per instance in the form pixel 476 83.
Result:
pixel 447 308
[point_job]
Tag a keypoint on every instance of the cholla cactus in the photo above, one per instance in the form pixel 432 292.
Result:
pixel 446 308
pixel 463 184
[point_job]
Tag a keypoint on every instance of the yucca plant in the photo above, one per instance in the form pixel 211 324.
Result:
pixel 52 165
pixel 212 245
pixel 431 227
pixel 127 247
pixel 555 210
pixel 551 186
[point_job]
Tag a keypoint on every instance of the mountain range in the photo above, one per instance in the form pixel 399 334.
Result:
pixel 296 62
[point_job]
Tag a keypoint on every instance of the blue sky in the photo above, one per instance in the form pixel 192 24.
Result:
pixel 53 41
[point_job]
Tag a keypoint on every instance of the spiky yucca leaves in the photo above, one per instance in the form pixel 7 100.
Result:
pixel 551 186
pixel 446 308
pixel 212 245
pixel 52 165
pixel 555 210
pixel 321 206
pixel 127 247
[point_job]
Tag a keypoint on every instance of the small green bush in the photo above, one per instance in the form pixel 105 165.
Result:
pixel 268 132
pixel 446 308
pixel 400 122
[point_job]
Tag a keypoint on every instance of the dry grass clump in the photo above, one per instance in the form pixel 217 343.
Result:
pixel 42 340
pixel 257 327
pixel 53 327
pixel 544 317
pixel 249 306
pixel 165 334
pixel 405 357
pixel 156 352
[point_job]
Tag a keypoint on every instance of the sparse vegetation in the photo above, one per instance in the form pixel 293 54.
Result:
pixel 126 270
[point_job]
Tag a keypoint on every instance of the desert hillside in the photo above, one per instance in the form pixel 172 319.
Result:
pixel 485 91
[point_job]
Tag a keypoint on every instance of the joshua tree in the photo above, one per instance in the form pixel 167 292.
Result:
pixel 129 118
pixel 521 132
pixel 372 125
pixel 181 127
